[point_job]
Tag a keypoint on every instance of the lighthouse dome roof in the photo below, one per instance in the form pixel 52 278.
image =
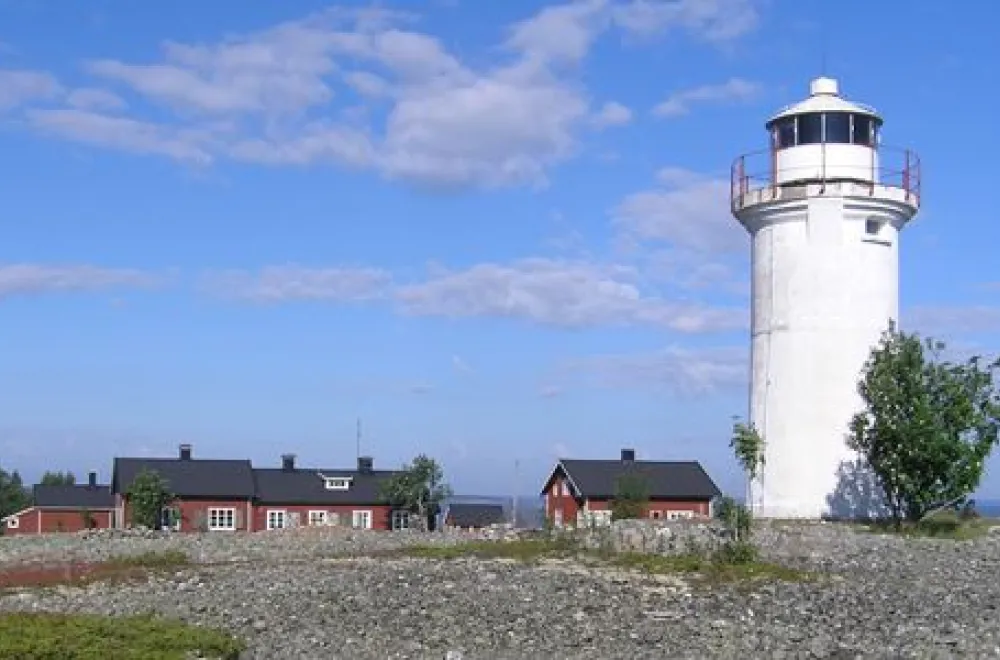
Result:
pixel 824 96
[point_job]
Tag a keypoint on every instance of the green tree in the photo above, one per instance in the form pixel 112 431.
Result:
pixel 57 479
pixel 13 496
pixel 631 497
pixel 928 424
pixel 148 495
pixel 736 516
pixel 418 487
pixel 748 447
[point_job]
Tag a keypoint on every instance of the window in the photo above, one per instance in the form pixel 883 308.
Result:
pixel 679 515
pixel 13 523
pixel 317 518
pixel 557 518
pixel 810 128
pixel 221 519
pixel 655 514
pixel 838 127
pixel 337 483
pixel 872 226
pixel 170 518
pixel 785 132
pixel 276 519
pixel 362 519
pixel 863 130
pixel 400 520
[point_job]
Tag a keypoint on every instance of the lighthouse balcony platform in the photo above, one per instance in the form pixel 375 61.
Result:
pixel 759 178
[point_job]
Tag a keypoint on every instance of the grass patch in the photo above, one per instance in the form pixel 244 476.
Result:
pixel 944 525
pixel 39 636
pixel 737 562
pixel 152 560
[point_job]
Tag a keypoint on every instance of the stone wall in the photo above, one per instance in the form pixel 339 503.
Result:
pixel 674 537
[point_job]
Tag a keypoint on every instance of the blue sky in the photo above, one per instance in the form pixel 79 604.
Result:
pixel 494 231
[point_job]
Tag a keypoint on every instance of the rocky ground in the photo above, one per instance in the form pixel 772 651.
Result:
pixel 305 594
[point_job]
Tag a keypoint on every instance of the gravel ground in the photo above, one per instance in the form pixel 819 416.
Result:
pixel 885 597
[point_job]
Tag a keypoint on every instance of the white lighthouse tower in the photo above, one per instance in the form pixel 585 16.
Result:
pixel 824 205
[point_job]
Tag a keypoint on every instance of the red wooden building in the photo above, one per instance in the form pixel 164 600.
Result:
pixel 220 495
pixel 215 495
pixel 69 508
pixel 579 491
pixel 292 496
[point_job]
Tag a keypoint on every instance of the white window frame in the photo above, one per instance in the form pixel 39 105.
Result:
pixel 400 515
pixel 273 515
pixel 363 516
pixel 225 514
pixel 318 517
pixel 557 517
pixel 337 483
pixel 13 522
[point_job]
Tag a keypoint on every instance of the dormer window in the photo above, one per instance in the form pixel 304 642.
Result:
pixel 337 483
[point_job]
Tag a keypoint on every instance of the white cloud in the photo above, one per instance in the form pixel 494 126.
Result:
pixel 20 87
pixel 31 279
pixel 679 103
pixel 189 145
pixel 687 210
pixel 89 98
pixel 678 370
pixel 287 283
pixel 290 94
pixel 561 32
pixel 612 113
pixel 545 291
pixel 715 20
pixel 558 293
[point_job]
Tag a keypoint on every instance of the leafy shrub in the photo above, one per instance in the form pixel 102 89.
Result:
pixel 43 636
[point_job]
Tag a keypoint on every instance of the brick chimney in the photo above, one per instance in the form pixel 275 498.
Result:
pixel 185 452
pixel 288 462
pixel 365 464
pixel 92 479
pixel 628 456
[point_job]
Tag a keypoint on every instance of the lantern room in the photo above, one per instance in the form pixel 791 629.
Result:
pixel 825 138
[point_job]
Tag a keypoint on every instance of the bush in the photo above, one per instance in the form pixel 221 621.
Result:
pixel 40 636
pixel 737 552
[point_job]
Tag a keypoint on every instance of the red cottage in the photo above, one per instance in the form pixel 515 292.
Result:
pixel 292 496
pixel 578 491
pixel 214 495
pixel 64 509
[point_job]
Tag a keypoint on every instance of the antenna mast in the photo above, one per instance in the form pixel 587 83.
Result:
pixel 357 439
pixel 513 507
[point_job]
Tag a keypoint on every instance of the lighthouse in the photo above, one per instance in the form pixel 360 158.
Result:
pixel 824 205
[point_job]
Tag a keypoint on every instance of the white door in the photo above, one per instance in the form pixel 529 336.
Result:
pixel 275 519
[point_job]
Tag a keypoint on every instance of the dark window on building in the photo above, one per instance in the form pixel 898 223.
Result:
pixel 785 129
pixel 810 128
pixel 838 127
pixel 872 226
pixel 863 131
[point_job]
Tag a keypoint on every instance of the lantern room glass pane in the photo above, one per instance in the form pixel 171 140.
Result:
pixel 838 127
pixel 810 128
pixel 785 129
pixel 863 133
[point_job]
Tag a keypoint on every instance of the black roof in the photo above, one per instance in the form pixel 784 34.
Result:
pixel 192 477
pixel 307 486
pixel 469 514
pixel 666 480
pixel 79 496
